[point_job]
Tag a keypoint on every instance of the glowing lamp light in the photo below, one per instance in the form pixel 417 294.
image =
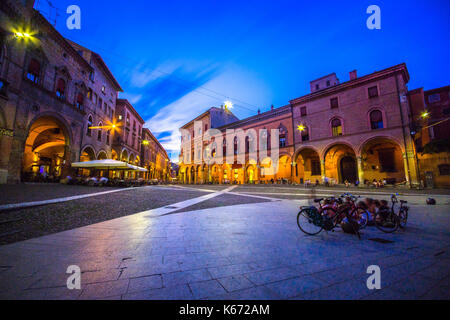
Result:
pixel 425 114
pixel 22 35
pixel 301 127
pixel 228 105
pixel 145 142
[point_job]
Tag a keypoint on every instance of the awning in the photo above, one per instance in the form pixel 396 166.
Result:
pixel 136 168
pixel 107 164
pixel 101 164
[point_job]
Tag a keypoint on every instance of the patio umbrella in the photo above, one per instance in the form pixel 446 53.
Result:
pixel 107 164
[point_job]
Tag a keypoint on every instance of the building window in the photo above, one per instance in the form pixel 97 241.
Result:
pixel 206 127
pixel 236 145
pixel 80 101
pixel 92 76
pixel 103 89
pixel 434 98
pixel 446 111
pixel 61 89
pixel 89 125
pixel 315 168
pixel 106 107
pixel 444 169
pixel 376 120
pixel 328 83
pixel 373 92
pixel 305 134
pixel 108 134
pixel 128 119
pixel 95 99
pixel 282 140
pixel 99 133
pixel 334 103
pixel 100 103
pixel 303 111
pixel 34 70
pixel 317 87
pixel 336 127
pixel 224 146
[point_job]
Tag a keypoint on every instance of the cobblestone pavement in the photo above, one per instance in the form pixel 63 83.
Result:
pixel 27 192
pixel 246 251
pixel 32 222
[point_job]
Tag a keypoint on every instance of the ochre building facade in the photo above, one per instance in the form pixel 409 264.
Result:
pixel 358 131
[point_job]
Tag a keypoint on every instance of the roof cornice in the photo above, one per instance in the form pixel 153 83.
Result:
pixel 353 83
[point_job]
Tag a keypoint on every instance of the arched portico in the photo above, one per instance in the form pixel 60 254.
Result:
pixel 307 165
pixel 382 158
pixel 340 163
pixel 47 149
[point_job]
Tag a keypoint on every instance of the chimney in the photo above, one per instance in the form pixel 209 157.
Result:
pixel 353 75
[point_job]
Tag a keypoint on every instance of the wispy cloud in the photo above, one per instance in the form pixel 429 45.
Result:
pixel 171 100
pixel 132 98
pixel 169 119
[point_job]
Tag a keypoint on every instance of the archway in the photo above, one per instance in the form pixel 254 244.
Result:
pixel 215 175
pixel 382 159
pixel 88 154
pixel 251 173
pixel 284 169
pixel 348 169
pixel 192 175
pixel 267 171
pixel 131 159
pixel 46 150
pixel 114 155
pixel 199 178
pixel 340 164
pixel 307 166
pixel 102 155
pixel 124 156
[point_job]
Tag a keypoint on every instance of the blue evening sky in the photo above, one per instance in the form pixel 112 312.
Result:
pixel 175 59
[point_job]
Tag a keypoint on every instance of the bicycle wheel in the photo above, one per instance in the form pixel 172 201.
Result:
pixel 307 222
pixel 362 217
pixel 387 222
pixel 403 218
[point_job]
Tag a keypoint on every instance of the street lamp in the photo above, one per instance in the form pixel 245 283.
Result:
pixel 228 105
pixel 301 127
pixel 425 114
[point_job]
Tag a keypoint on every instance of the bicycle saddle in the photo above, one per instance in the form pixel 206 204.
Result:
pixel 318 200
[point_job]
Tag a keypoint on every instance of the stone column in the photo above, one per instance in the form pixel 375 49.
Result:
pixel 322 169
pixel 360 171
pixel 406 167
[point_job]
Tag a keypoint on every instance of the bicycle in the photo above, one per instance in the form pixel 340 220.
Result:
pixel 358 213
pixel 386 219
pixel 312 220
pixel 402 212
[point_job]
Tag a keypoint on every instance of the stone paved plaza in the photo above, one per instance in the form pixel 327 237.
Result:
pixel 208 246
